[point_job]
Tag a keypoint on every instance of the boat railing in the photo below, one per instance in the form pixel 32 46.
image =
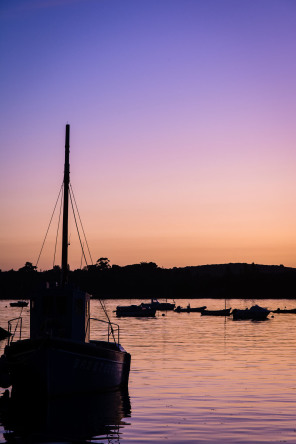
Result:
pixel 113 329
pixel 17 323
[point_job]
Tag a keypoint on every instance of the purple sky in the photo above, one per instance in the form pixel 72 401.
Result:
pixel 183 135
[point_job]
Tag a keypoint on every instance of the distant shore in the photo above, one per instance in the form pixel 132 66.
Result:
pixel 147 280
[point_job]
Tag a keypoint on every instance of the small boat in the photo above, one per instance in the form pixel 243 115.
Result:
pixel 162 305
pixel 254 313
pixel 59 357
pixel 19 304
pixel 281 310
pixel 189 309
pixel 142 310
pixel 224 312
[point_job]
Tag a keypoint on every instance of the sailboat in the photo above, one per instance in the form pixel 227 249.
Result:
pixel 59 357
pixel 223 312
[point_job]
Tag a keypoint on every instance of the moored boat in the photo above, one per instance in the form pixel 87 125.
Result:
pixel 189 309
pixel 142 310
pixel 223 312
pixel 19 304
pixel 59 357
pixel 285 310
pixel 255 313
pixel 162 306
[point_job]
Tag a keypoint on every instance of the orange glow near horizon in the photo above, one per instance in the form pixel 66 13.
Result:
pixel 182 144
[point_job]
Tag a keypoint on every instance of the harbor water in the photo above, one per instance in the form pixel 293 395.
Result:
pixel 194 379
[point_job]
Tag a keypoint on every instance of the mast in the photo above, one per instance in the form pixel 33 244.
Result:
pixel 66 207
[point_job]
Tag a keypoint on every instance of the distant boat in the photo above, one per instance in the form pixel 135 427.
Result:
pixel 284 310
pixel 162 305
pixel 59 357
pixel 189 309
pixel 142 310
pixel 254 313
pixel 224 312
pixel 19 304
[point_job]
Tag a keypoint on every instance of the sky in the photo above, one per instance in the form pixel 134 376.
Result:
pixel 182 129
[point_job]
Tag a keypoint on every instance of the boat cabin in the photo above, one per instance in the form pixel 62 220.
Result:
pixel 61 312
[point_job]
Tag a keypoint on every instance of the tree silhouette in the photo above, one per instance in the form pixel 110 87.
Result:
pixel 28 267
pixel 103 263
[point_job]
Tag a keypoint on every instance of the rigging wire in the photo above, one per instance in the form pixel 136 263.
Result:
pixel 81 244
pixel 107 316
pixel 49 225
pixel 17 323
pixel 77 228
pixel 55 247
pixel 81 223
pixel 82 249
pixel 81 259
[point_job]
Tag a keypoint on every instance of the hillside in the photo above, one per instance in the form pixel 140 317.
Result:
pixel 145 280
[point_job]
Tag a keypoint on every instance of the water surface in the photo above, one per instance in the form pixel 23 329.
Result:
pixel 195 379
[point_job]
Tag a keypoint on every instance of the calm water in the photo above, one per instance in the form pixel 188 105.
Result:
pixel 193 379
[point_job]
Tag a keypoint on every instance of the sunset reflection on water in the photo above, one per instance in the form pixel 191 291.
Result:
pixel 209 379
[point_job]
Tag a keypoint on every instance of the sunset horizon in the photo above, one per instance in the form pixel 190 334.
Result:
pixel 182 147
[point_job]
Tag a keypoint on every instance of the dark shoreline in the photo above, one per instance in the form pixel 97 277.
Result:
pixel 146 280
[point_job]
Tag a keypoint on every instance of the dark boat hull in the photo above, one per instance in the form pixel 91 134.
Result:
pixel 254 313
pixel 19 304
pixel 240 316
pixel 142 310
pixel 164 306
pixel 285 311
pixel 57 367
pixel 190 310
pixel 225 312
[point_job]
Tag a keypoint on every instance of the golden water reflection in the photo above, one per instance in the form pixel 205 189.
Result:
pixel 207 380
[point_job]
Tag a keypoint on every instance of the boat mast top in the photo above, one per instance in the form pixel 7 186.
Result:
pixel 66 208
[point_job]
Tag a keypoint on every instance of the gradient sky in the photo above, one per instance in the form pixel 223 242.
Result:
pixel 183 134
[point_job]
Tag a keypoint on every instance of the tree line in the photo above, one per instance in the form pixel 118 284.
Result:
pixel 147 279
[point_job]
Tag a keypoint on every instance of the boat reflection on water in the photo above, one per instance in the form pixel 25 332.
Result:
pixel 72 418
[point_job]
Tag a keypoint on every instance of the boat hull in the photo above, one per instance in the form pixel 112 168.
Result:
pixel 57 367
pixel 225 312
pixel 190 309
pixel 19 304
pixel 142 311
pixel 165 306
pixel 254 313
pixel 285 311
